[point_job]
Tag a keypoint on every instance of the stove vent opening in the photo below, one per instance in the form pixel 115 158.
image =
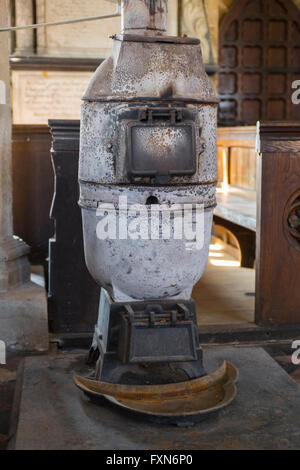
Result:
pixel 151 200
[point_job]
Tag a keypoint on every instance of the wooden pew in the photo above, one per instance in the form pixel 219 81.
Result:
pixel 273 212
pixel 236 210
pixel 278 225
pixel 33 185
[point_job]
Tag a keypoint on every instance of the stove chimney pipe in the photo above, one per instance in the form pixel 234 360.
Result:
pixel 142 16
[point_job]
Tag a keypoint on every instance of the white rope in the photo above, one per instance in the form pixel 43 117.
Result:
pixel 54 23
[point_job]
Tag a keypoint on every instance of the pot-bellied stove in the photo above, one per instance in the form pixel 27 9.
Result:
pixel 147 177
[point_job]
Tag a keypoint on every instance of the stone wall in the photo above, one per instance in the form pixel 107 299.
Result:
pixel 39 95
pixel 86 39
pixel 33 92
pixel 197 18
pixel 200 18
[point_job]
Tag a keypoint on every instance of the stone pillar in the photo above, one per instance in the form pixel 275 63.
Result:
pixel 14 265
pixel 172 19
pixel 200 18
pixel 24 38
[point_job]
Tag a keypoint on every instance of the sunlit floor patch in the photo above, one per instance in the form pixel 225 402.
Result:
pixel 220 295
pixel 215 254
pixel 224 263
pixel 215 247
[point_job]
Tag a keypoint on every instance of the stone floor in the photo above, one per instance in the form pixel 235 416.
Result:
pixel 280 352
pixel 8 376
pixel 54 415
pixel 23 315
pixel 8 373
pixel 225 293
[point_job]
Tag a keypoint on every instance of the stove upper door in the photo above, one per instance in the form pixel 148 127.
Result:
pixel 161 143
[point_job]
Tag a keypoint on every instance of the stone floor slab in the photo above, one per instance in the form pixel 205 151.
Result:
pixel 55 415
pixel 23 318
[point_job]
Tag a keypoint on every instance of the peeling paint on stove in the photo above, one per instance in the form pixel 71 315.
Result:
pixel 146 70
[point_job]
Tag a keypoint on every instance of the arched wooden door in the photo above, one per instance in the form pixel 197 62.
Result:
pixel 259 60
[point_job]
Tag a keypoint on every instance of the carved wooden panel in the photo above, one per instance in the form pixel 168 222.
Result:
pixel 259 59
pixel 291 220
pixel 278 225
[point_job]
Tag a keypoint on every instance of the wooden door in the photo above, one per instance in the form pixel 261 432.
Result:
pixel 259 60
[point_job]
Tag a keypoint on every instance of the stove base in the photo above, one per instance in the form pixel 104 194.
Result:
pixel 148 359
pixel 151 342
pixel 175 403
pixel 108 368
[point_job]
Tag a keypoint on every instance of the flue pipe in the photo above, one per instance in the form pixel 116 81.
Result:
pixel 140 16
